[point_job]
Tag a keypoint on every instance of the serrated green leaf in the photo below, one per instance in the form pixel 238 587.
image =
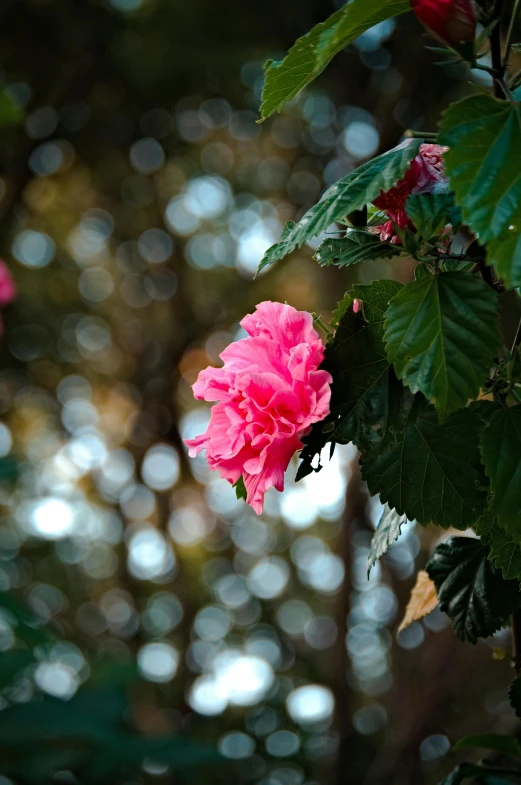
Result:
pixel 352 192
pixel 310 54
pixel 356 247
pixel 484 165
pixel 431 471
pixel 442 333
pixel 388 530
pixel 490 741
pixel 514 696
pixel 471 590
pixel 240 489
pixel 501 446
pixel 366 397
pixel 503 550
pixel 344 304
pixel 430 213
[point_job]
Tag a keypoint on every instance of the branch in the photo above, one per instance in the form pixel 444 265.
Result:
pixel 495 52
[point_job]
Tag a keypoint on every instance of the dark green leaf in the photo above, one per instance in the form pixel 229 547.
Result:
pixel 353 192
pixel 504 552
pixel 366 397
pixel 471 590
pixel 501 445
pixel 240 489
pixel 490 741
pixel 432 472
pixel 484 165
pixel 430 213
pixel 356 247
pixel 389 528
pixel 310 54
pixel 442 333
pixel 514 695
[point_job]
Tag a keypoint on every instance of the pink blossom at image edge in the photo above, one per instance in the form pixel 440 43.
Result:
pixel 268 393
pixel 7 285
pixel 424 175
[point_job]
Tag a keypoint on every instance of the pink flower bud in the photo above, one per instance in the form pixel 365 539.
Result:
pixel 356 306
pixel 452 21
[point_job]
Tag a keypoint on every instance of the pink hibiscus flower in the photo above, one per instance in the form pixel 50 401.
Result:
pixel 269 392
pixel 425 173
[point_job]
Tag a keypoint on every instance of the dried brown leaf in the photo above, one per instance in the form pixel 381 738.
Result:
pixel 422 601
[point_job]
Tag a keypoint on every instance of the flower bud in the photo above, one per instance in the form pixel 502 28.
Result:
pixel 452 21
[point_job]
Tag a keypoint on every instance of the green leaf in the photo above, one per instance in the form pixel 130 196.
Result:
pixel 356 247
pixel 471 590
pixel 501 446
pixel 442 333
pixel 353 192
pixel 503 550
pixel 431 471
pixel 90 734
pixel 365 394
pixel 484 165
pixel 240 489
pixel 430 213
pixel 490 741
pixel 388 530
pixel 516 48
pixel 310 54
pixel 514 695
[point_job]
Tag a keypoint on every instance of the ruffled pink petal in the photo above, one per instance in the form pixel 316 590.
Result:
pixel 268 393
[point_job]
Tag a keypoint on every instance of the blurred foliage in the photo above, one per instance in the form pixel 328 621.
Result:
pixel 148 621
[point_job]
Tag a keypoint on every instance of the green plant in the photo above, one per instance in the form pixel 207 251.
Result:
pixel 426 378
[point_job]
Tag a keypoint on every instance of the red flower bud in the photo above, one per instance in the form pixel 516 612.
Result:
pixel 452 21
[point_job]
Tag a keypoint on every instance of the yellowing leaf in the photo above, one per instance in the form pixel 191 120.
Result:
pixel 422 601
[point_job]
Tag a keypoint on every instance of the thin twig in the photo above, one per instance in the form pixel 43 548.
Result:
pixel 517 339
pixel 511 28
pixel 495 51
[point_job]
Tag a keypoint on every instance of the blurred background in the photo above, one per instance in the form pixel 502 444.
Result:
pixel 152 628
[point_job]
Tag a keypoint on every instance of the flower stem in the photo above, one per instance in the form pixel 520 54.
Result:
pixel 318 321
pixel 511 28
pixel 429 137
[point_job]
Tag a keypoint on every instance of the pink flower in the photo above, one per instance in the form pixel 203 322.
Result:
pixel 7 285
pixel 425 173
pixel 452 21
pixel 268 393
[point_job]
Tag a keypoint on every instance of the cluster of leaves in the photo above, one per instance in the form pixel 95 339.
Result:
pixel 419 382
pixel 424 383
pixel 92 734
